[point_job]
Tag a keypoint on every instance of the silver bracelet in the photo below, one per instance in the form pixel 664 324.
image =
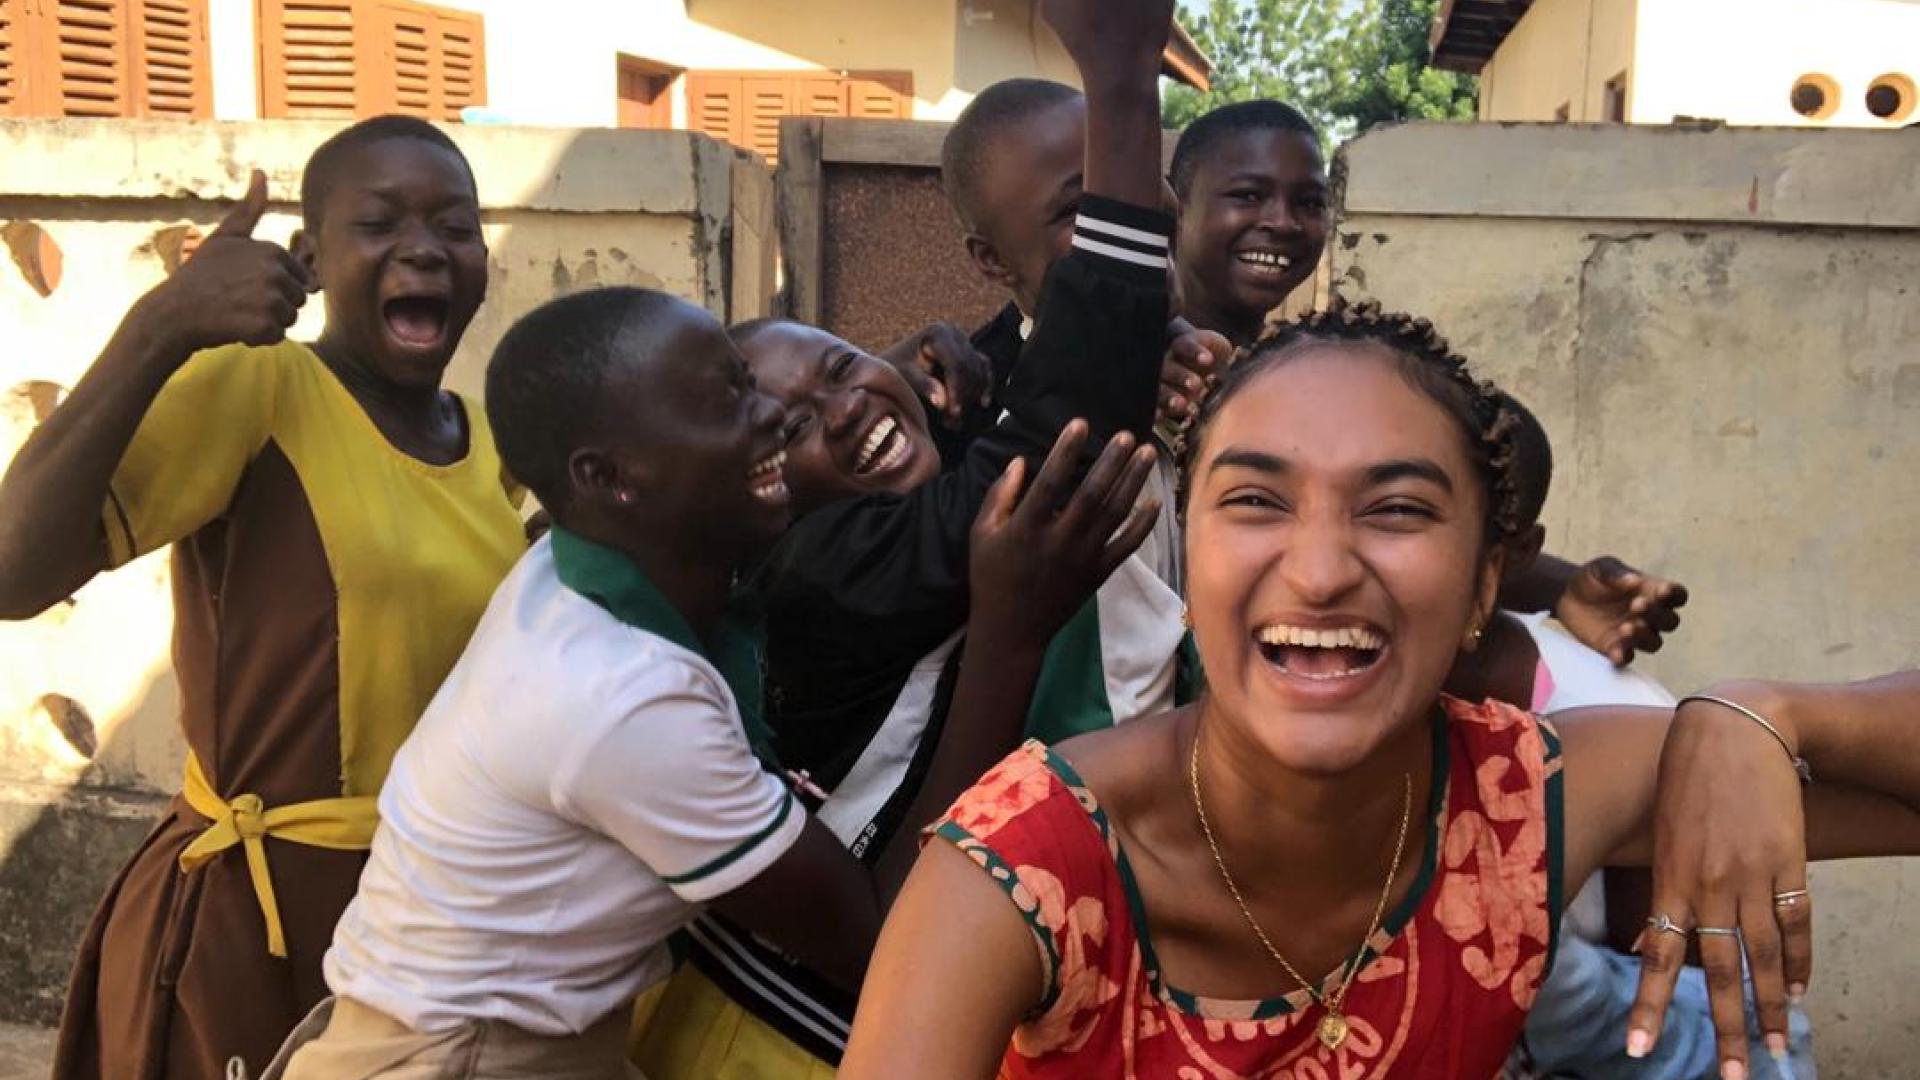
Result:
pixel 1800 765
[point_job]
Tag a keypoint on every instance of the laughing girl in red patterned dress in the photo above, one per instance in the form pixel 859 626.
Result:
pixel 1326 868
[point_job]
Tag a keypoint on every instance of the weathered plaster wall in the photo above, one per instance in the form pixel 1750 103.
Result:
pixel 1721 331
pixel 87 743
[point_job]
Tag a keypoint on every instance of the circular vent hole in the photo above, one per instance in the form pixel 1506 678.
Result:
pixel 1815 97
pixel 1891 98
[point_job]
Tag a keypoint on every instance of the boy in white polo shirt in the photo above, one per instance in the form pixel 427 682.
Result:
pixel 587 774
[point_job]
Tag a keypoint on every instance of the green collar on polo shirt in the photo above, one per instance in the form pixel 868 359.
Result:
pixel 611 580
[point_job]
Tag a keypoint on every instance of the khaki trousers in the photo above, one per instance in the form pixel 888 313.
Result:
pixel 345 1040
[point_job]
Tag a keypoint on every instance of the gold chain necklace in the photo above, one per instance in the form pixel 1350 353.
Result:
pixel 1332 1029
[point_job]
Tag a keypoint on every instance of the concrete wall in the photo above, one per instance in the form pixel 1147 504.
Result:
pixel 87 696
pixel 1561 53
pixel 1721 331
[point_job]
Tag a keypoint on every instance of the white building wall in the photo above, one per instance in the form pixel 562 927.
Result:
pixel 235 59
pixel 1737 60
pixel 553 62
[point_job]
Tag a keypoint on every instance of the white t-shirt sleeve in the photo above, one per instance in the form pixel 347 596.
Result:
pixel 1584 677
pixel 675 782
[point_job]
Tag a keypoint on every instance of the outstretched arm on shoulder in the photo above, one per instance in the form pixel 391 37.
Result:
pixel 955 970
pixel 1711 798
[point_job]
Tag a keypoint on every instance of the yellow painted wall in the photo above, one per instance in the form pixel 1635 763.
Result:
pixel 1001 39
pixel 1737 60
pixel 1562 52
pixel 855 35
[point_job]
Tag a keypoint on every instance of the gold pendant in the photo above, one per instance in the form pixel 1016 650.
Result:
pixel 1332 1030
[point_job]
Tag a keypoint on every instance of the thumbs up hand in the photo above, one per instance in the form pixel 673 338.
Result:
pixel 235 288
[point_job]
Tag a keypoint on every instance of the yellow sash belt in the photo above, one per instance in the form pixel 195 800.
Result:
pixel 344 824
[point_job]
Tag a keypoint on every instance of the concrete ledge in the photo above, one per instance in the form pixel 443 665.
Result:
pixel 1752 176
pixel 568 170
pixel 58 853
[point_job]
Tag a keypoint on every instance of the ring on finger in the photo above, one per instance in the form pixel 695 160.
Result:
pixel 1790 897
pixel 1660 922
pixel 1717 931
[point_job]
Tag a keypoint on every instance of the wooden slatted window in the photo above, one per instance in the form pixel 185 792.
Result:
pixel 745 107
pixel 880 95
pixel 462 41
pixel 171 60
pixel 94 58
pixel 824 96
pixel 714 108
pixel 766 101
pixel 409 59
pixel 340 59
pixel 12 20
pixel 309 64
pixel 105 58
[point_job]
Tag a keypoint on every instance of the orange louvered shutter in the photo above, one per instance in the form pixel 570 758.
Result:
pixel 104 58
pixel 461 38
pixel 348 58
pixel 767 99
pixel 745 107
pixel 310 62
pixel 408 60
pixel 171 75
pixel 13 98
pixel 819 95
pixel 714 106
pixel 880 95
pixel 90 77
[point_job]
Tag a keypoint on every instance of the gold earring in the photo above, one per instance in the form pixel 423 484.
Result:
pixel 1186 618
pixel 1474 631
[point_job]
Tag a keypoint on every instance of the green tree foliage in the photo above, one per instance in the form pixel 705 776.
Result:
pixel 1347 64
pixel 1390 78
pixel 1263 49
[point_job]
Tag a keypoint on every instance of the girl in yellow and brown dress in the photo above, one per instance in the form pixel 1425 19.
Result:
pixel 338 523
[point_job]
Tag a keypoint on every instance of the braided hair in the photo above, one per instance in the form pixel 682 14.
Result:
pixel 1423 358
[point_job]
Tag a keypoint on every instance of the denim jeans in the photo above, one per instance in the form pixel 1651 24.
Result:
pixel 1578 1026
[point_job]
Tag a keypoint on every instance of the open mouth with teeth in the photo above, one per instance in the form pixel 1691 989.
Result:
pixel 767 481
pixel 1321 654
pixel 417 322
pixel 1266 264
pixel 885 447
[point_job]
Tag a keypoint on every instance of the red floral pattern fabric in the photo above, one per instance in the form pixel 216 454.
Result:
pixel 1443 993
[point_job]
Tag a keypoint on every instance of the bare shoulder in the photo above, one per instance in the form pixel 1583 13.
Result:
pixel 1610 763
pixel 1126 766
